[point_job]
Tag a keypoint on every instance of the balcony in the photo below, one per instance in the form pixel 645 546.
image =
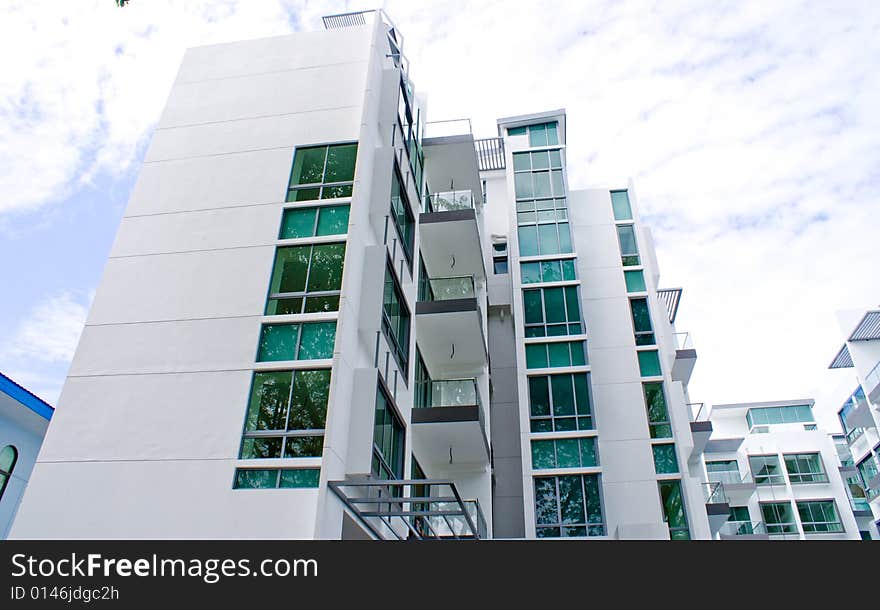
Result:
pixel 449 424
pixel 424 509
pixel 744 530
pixel 449 327
pixel 738 488
pixel 717 506
pixel 861 507
pixel 685 358
pixel 450 236
pixel 701 429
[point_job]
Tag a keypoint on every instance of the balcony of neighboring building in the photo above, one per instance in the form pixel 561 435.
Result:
pixel 738 487
pixel 743 530
pixel 685 357
pixel 717 506
pixel 421 509
pixel 449 327
pixel 448 422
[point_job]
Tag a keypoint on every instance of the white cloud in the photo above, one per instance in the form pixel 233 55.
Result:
pixel 51 331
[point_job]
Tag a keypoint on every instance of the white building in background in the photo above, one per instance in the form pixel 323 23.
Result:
pixel 318 302
pixel 24 418
pixel 782 476
pixel 860 413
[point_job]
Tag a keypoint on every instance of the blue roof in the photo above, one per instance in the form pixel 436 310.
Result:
pixel 25 397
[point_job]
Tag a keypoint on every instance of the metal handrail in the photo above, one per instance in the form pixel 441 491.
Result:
pixel 714 493
pixel 683 340
pixel 700 416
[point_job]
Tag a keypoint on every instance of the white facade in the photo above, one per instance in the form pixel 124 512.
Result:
pixel 779 479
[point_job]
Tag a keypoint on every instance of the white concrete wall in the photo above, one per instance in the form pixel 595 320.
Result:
pixel 147 432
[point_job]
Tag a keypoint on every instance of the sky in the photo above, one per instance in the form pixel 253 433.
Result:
pixel 751 130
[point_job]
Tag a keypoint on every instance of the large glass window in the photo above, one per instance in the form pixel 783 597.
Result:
pixel 402 214
pixel 791 414
pixel 658 414
pixel 548 271
pixel 560 403
pixel 819 516
pixel 322 172
pixel 308 341
pixel 396 319
pixel 552 312
pixel 629 250
pixel 868 469
pixel 388 439
pixel 779 517
pixel 766 470
pixel 635 280
pixel 8 457
pixel 644 332
pixel 564 453
pixel 557 354
pixel 306 279
pixel 286 414
pixel 314 221
pixel 649 363
pixel 665 461
pixel 620 205
pixel 545 237
pixel 544 134
pixel 674 513
pixel 567 506
pixel 272 478
pixel 804 468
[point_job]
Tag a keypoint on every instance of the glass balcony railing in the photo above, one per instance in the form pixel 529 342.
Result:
pixel 448 288
pixel 449 201
pixel 714 493
pixel 872 379
pixel 730 477
pixel 860 504
pixel 698 411
pixel 743 528
pixel 683 340
pixel 448 393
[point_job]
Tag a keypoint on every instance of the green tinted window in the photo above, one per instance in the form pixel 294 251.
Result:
pixel 552 312
pixel 649 364
pixel 308 341
pixel 658 415
pixel 558 354
pixel 635 281
pixel 306 279
pixel 665 461
pixel 388 440
pixel 779 518
pixel 402 214
pixel 322 172
pixel 644 332
pixel 564 453
pixel 312 221
pixel 629 251
pixel 620 204
pixel 568 506
pixel 396 319
pixel 272 478
pixel 673 510
pixel 819 516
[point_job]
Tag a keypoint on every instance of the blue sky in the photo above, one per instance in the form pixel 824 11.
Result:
pixel 750 128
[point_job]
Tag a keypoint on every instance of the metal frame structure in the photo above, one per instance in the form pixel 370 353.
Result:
pixel 386 505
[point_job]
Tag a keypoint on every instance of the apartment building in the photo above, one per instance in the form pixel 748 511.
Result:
pixel 24 418
pixel 780 473
pixel 326 317
pixel 860 414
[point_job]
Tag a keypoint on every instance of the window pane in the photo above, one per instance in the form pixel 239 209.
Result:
pixel 260 448
pixel 627 237
pixel 537 135
pixel 578 353
pixel 517 131
pixel 532 307
pixel 291 267
pixel 542 455
pixel 340 163
pixel 541 184
pixel 581 393
pixel 302 477
pixel 641 318
pixel 523 185
pixel 552 136
pixel 539 396
pixel 555 157
pixel 521 162
pixel 571 499
pixel 267 407
pixel 554 303
pixel 551 271
pixel 568 270
pixel 649 364
pixel 549 240
pixel 558 185
pixel 317 341
pixel 563 395
pixel 546 507
pixel 255 479
pixel 308 165
pixel 308 407
pixel 588 452
pixel 571 303
pixel 531 273
pixel 326 268
pixel 298 222
pixel 333 220
pixel 303 446
pixel 620 203
pixel 665 461
pixel 564 238
pixel 536 356
pixel 528 240
pixel 559 354
pixel 278 342
pixel 541 160
pixel 673 504
pixel 635 281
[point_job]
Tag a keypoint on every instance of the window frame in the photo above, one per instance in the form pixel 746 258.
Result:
pixel 298 343
pixel 319 209
pixel 776 527
pixel 810 527
pixel 407 242
pixel 291 188
pixel 398 434
pixel 660 423
pixel 545 344
pixel 7 472
pixel 567 322
pixel 400 352
pixel 276 297
pixel 278 476
pixel 800 478
pixel 766 479
pixel 627 258
pixel 591 528
pixel 675 532
pixel 577 418
pixel 554 442
pixel 642 337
